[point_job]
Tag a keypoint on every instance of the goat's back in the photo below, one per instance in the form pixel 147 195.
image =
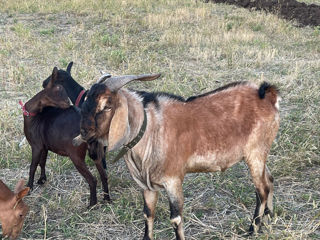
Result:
pixel 57 127
pixel 219 125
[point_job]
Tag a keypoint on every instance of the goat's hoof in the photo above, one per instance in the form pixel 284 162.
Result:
pixel 107 198
pixel 251 230
pixel 31 188
pixel 92 203
pixel 254 230
pixel 42 180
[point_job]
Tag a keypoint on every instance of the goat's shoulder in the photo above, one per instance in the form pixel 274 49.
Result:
pixel 157 97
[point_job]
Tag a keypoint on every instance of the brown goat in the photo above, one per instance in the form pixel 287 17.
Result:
pixel 12 209
pixel 205 133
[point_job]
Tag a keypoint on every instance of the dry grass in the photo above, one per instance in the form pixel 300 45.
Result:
pixel 197 47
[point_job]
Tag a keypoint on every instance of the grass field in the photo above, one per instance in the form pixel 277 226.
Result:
pixel 197 47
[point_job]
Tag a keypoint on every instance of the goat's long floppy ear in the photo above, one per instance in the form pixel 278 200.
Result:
pixel 53 78
pixel 119 127
pixel 69 67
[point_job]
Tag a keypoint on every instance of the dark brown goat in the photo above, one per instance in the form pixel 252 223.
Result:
pixel 205 133
pixel 12 209
pixel 49 128
pixel 77 94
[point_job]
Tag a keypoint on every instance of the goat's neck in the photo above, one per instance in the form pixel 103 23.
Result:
pixel 73 90
pixel 34 105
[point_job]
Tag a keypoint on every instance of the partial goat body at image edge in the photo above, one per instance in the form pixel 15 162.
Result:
pixel 12 209
pixel 205 133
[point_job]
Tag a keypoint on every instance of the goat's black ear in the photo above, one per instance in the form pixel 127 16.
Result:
pixel 69 67
pixel 53 78
pixel 54 75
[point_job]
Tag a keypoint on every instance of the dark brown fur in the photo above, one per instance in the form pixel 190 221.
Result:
pixel 53 129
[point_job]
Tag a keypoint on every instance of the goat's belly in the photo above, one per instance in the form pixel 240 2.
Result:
pixel 59 152
pixel 210 162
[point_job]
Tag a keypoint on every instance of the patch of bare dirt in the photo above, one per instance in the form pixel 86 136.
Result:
pixel 303 13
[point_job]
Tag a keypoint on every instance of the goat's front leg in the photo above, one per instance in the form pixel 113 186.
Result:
pixel 264 191
pixel 175 195
pixel 104 179
pixel 150 202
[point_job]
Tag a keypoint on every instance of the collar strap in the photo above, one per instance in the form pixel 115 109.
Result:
pixel 25 112
pixel 79 97
pixel 131 144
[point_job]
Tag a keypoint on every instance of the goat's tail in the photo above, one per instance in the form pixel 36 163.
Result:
pixel 270 92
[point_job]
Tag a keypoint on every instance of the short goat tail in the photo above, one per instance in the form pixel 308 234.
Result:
pixel 270 92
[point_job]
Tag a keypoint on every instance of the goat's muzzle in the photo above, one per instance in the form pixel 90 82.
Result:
pixel 78 140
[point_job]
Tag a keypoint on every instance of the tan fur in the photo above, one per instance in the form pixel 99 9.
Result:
pixel 210 133
pixel 12 209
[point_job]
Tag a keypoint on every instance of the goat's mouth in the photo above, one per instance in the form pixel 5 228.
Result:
pixel 8 234
pixel 77 141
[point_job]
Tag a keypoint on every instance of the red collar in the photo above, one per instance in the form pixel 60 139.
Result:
pixel 79 98
pixel 25 112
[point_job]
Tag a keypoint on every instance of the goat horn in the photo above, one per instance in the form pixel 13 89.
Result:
pixel 103 77
pixel 115 83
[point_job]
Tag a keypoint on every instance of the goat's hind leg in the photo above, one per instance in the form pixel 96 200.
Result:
pixel 37 152
pixel 43 160
pixel 175 194
pixel 268 212
pixel 264 187
pixel 150 201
